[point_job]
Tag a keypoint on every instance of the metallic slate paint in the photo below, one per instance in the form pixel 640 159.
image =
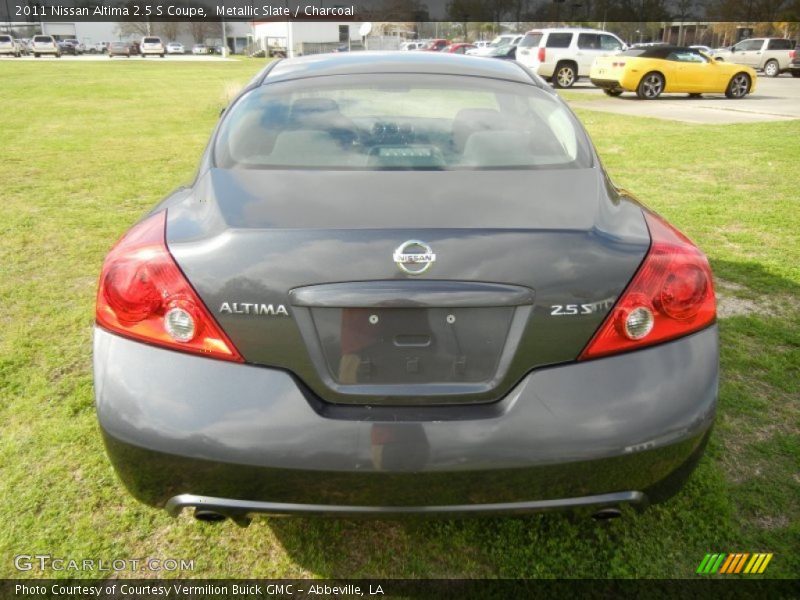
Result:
pixel 550 434
pixel 214 428
pixel 258 235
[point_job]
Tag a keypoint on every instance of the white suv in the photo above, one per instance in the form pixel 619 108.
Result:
pixel 152 45
pixel 564 55
pixel 8 46
pixel 45 44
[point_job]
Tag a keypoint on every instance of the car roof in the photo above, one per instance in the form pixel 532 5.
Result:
pixel 318 65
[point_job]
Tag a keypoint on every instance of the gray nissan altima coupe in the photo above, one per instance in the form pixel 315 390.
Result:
pixel 403 283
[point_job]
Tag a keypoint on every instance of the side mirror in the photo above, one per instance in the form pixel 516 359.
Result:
pixel 733 49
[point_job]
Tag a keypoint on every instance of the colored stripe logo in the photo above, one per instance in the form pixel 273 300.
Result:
pixel 740 562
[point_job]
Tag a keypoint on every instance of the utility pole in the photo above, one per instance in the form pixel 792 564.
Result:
pixel 224 40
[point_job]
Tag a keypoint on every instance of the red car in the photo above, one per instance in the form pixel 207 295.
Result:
pixel 435 45
pixel 458 48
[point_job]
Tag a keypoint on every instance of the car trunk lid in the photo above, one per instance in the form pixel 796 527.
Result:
pixel 300 269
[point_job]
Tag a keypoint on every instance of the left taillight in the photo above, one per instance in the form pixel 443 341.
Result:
pixel 671 295
pixel 144 295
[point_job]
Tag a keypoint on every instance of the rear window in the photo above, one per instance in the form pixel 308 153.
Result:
pixel 502 40
pixel 559 40
pixel 781 44
pixel 407 122
pixel 531 40
pixel 5 38
pixel 42 38
pixel 151 40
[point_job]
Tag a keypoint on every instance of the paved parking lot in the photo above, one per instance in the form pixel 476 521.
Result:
pixel 775 99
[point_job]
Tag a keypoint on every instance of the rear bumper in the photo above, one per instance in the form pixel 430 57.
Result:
pixel 242 509
pixel 188 431
pixel 608 84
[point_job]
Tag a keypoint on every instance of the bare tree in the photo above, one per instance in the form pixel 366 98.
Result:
pixel 132 29
pixel 168 30
pixel 200 30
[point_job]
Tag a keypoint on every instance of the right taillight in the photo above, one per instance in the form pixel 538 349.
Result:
pixel 671 295
pixel 792 54
pixel 540 55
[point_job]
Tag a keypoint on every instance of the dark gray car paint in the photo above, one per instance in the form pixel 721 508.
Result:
pixel 253 236
pixel 176 425
pixel 201 426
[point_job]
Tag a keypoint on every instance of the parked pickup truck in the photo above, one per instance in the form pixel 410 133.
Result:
pixel 794 66
pixel 771 55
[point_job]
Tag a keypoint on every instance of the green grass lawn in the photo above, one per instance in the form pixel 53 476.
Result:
pixel 87 148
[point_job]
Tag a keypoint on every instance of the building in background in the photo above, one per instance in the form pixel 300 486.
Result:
pixel 297 38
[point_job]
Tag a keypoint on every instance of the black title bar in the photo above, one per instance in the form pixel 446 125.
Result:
pixel 461 11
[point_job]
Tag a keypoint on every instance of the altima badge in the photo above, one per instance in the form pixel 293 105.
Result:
pixel 414 257
pixel 252 308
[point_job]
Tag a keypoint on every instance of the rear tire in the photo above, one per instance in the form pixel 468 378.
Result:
pixel 695 95
pixel 36 55
pixel 739 86
pixel 565 75
pixel 795 73
pixel 772 69
pixel 613 93
pixel 651 86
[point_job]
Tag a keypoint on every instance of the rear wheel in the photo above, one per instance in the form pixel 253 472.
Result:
pixel 795 73
pixel 36 55
pixel 651 86
pixel 695 95
pixel 739 86
pixel 565 75
pixel 771 69
pixel 614 93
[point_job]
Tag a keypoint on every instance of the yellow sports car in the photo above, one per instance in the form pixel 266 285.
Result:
pixel 670 69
